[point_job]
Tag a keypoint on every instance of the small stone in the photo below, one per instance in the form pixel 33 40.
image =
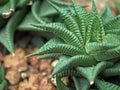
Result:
pixel 13 87
pixel 34 81
pixel 44 73
pixel 34 61
pixel 46 85
pixel 24 85
pixel 13 76
pixel 54 63
pixel 65 80
pixel 53 80
pixel 24 75
pixel 20 62
pixel 45 66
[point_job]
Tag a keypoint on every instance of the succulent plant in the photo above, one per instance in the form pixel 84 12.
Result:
pixel 87 46
pixel 17 14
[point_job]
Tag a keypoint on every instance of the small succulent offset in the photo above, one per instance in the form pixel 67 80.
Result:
pixel 87 46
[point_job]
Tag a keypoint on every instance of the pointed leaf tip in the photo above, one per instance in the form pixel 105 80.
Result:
pixel 13 54
pixel 94 9
pixel 91 82
pixel 28 55
pixel 73 1
pixel 53 5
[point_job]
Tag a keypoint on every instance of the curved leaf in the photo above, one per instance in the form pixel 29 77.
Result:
pixel 94 8
pixel 106 14
pixel 62 32
pixel 96 47
pixel 81 83
pixel 91 73
pixel 113 31
pixel 75 61
pixel 98 32
pixel 3 81
pixel 59 48
pixel 61 85
pixel 35 11
pixel 25 24
pixel 68 72
pixel 7 34
pixel 50 56
pixel 8 8
pixel 22 3
pixel 113 71
pixel 102 85
pixel 112 53
pixel 81 18
pixel 69 22
pixel 113 23
pixel 58 68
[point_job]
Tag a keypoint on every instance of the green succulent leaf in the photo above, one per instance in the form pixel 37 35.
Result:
pixel 61 85
pixel 102 85
pixel 8 9
pixel 77 60
pixel 112 37
pixel 70 23
pixel 106 14
pixel 13 4
pixel 25 24
pixel 91 73
pixel 112 53
pixel 88 35
pixel 61 31
pixel 81 83
pixel 57 45
pixel 98 30
pixel 94 8
pixel 68 72
pixel 7 33
pixel 94 47
pixel 32 16
pixel 62 3
pixel 81 19
pixel 113 71
pixel 113 23
pixel 51 55
pixel 2 73
pixel 47 9
pixel 60 48
pixel 113 31
pixel 22 3
pixel 36 10
pixel 3 82
pixel 58 67
pixel 81 60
